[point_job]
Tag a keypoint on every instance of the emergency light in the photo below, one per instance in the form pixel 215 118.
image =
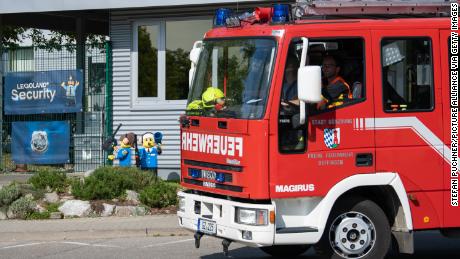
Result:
pixel 220 177
pixel 221 16
pixel 280 13
pixel 195 173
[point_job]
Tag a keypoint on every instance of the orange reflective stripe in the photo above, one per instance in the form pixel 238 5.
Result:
pixel 339 78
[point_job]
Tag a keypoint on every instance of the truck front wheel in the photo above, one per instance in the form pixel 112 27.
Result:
pixel 285 251
pixel 357 228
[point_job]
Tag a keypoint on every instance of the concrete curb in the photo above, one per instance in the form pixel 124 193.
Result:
pixel 90 228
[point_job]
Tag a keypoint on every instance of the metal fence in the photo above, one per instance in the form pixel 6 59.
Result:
pixel 87 128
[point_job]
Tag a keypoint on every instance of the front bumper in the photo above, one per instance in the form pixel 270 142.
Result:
pixel 222 212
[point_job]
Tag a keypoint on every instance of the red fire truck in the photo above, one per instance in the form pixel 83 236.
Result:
pixel 327 124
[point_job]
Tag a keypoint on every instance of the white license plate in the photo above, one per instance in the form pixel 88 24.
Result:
pixel 206 174
pixel 207 227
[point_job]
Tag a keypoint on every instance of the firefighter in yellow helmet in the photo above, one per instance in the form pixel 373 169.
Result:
pixel 211 98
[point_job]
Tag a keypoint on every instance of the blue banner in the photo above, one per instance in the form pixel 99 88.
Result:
pixel 57 91
pixel 40 142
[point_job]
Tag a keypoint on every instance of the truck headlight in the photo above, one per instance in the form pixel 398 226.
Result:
pixel 181 204
pixel 257 217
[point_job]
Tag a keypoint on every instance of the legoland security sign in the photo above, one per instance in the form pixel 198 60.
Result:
pixel 43 92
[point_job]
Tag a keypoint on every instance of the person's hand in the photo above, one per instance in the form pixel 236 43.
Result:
pixel 295 102
pixel 111 157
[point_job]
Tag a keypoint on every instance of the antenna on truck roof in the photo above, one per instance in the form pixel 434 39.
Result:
pixel 305 9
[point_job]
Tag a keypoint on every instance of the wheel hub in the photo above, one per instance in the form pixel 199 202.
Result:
pixel 352 235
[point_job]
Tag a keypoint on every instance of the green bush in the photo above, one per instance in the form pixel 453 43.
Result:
pixel 53 207
pixel 111 182
pixel 39 215
pixel 25 189
pixel 159 195
pixel 22 207
pixel 8 194
pixel 54 180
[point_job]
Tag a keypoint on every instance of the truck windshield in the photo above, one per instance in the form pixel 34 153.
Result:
pixel 232 78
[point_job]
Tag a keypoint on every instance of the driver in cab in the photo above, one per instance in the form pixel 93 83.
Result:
pixel 335 90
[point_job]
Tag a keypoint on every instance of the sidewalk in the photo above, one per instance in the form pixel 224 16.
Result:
pixel 7 178
pixel 84 228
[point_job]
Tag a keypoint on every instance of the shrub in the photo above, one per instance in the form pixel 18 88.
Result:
pixel 52 179
pixel 25 189
pixel 8 194
pixel 22 207
pixel 159 195
pixel 53 207
pixel 39 215
pixel 111 182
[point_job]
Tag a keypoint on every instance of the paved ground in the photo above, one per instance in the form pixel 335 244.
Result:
pixel 429 245
pixel 89 228
pixel 7 178
pixel 149 237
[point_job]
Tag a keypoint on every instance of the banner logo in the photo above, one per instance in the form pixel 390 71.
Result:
pixel 39 142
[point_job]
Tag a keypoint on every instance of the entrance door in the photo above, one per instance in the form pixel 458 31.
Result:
pixel 408 117
pixel 334 144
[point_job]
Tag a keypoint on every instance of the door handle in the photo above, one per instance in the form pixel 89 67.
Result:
pixel 364 159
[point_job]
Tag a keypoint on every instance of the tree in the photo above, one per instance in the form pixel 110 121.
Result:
pixel 54 40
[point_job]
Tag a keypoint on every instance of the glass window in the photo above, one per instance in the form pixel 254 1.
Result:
pixel 180 36
pixel 407 74
pixel 342 66
pixel 147 46
pixel 232 78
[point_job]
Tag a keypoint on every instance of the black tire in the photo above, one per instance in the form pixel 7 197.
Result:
pixel 350 210
pixel 285 251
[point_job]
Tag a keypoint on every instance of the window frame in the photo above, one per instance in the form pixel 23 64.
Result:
pixel 159 102
pixel 432 91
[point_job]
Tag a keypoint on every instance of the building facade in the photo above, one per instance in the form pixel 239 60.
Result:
pixel 150 42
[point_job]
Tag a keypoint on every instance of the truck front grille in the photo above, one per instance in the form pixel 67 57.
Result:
pixel 234 168
pixel 214 185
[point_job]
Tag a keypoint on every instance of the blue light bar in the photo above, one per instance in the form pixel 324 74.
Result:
pixel 195 173
pixel 221 16
pixel 220 177
pixel 280 13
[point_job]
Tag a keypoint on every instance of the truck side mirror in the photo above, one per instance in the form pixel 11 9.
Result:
pixel 309 84
pixel 194 57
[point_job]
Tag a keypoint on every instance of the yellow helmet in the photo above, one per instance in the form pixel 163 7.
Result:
pixel 195 105
pixel 210 96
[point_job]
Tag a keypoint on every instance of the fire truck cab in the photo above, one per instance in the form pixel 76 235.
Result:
pixel 325 130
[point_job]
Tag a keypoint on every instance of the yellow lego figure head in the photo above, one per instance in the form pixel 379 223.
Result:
pixel 148 140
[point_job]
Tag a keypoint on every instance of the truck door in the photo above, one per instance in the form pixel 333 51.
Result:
pixel 450 211
pixel 333 145
pixel 408 117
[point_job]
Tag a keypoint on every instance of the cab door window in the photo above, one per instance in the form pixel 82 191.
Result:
pixel 407 74
pixel 342 67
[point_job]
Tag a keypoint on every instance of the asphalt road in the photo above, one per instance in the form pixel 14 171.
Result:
pixel 428 245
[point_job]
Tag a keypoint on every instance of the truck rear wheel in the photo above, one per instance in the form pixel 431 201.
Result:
pixel 285 251
pixel 357 228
